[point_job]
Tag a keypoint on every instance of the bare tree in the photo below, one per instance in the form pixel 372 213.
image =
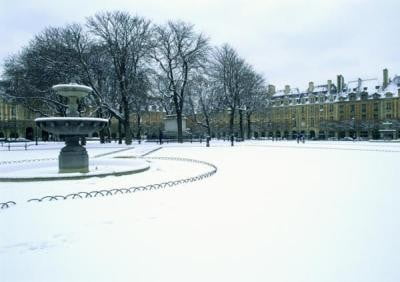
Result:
pixel 203 101
pixel 254 96
pixel 46 61
pixel 227 71
pixel 179 52
pixel 127 41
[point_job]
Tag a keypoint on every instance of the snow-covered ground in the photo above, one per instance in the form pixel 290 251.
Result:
pixel 274 211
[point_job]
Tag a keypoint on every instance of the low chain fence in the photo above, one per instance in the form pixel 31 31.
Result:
pixel 301 146
pixel 154 186
pixel 27 161
pixel 8 204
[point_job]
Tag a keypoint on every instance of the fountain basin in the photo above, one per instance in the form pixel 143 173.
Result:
pixel 47 170
pixel 72 90
pixel 71 125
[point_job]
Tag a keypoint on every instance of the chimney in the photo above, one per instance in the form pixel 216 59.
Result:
pixel 271 89
pixel 385 78
pixel 329 86
pixel 340 83
pixel 310 87
pixel 359 83
pixel 287 89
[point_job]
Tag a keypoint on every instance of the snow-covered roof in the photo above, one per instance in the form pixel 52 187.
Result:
pixel 357 87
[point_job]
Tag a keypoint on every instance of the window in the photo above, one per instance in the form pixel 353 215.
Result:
pixel 312 122
pixel 341 109
pixel 363 116
pixel 376 116
pixel 376 107
pixel 13 112
pixel 331 108
pixel 388 116
pixel 363 108
pixel 389 106
pixel 352 108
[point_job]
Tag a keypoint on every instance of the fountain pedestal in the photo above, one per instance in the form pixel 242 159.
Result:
pixel 73 157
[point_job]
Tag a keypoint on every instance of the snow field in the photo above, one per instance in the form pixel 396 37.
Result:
pixel 269 214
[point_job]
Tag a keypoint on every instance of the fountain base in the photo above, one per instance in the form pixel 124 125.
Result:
pixel 73 157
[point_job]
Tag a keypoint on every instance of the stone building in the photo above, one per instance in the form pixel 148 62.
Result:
pixel 364 108
pixel 15 121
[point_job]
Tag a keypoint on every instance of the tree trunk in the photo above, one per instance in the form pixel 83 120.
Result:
pixel 231 122
pixel 102 139
pixel 139 126
pixel 241 125
pixel 179 124
pixel 208 126
pixel 248 115
pixel 127 128
pixel 119 131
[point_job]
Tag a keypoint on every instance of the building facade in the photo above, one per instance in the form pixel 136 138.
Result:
pixel 15 121
pixel 365 108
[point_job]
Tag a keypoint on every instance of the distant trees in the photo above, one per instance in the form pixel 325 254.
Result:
pixel 132 64
pixel 239 86
pixel 127 41
pixel 179 52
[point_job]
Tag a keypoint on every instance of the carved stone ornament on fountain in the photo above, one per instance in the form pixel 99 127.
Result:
pixel 73 157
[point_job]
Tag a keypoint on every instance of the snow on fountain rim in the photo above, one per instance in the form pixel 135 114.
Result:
pixel 48 170
pixel 71 118
pixel 72 87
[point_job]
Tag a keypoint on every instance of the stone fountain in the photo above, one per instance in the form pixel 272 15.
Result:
pixel 73 157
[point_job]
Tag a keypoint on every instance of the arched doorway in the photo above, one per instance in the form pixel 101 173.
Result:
pixel 375 134
pixel 312 134
pixel 286 134
pixel 1 134
pixel 278 134
pixel 342 134
pixel 45 136
pixel 29 133
pixel 321 135
pixel 95 135
pixel 294 134
pixel 14 135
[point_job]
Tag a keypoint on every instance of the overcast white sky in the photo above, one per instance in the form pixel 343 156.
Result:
pixel 289 41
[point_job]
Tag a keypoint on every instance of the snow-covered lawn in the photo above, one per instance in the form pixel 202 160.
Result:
pixel 274 211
